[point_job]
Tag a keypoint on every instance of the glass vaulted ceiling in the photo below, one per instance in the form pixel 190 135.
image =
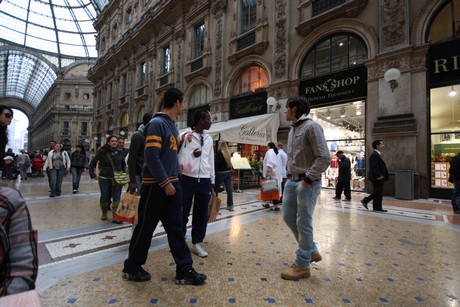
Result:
pixel 60 31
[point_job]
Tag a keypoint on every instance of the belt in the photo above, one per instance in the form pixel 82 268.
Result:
pixel 299 177
pixel 296 177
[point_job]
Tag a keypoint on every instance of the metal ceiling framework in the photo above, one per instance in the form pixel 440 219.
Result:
pixel 60 31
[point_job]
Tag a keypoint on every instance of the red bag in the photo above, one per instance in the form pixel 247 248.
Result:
pixel 275 195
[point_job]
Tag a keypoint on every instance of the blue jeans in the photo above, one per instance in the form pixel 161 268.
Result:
pixel 298 207
pixel 456 196
pixel 226 178
pixel 76 175
pixel 56 176
pixel 109 190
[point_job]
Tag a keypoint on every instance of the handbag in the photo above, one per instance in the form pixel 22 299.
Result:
pixel 127 209
pixel 119 177
pixel 213 207
pixel 270 185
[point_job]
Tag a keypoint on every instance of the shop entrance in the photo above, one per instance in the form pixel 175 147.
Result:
pixel 343 126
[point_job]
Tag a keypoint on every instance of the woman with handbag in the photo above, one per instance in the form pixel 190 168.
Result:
pixel 111 160
pixel 272 169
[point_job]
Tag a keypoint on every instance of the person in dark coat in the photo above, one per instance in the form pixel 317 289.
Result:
pixel 454 177
pixel 136 155
pixel 378 174
pixel 78 162
pixel 343 181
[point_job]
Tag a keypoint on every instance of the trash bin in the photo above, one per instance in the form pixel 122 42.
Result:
pixel 404 185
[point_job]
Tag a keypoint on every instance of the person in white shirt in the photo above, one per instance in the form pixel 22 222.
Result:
pixel 283 157
pixel 272 169
pixel 198 182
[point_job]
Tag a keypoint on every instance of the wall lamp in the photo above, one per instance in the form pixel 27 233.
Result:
pixel 391 75
pixel 273 104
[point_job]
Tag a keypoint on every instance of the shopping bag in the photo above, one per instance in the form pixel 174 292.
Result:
pixel 213 207
pixel 272 195
pixel 185 158
pixel 127 209
pixel 270 185
pixel 269 195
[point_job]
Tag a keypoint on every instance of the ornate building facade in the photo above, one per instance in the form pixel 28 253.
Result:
pixel 65 114
pixel 230 56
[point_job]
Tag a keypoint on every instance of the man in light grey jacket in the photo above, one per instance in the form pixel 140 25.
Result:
pixel 308 158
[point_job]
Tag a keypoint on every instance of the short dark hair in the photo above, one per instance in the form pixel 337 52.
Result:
pixel 171 96
pixel 146 118
pixel 302 104
pixel 338 152
pixel 376 143
pixel 199 114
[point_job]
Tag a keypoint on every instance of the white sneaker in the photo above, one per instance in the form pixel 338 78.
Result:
pixel 199 251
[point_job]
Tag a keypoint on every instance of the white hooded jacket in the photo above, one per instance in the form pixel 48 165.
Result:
pixel 203 166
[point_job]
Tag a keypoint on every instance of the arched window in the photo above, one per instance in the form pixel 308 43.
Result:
pixel 446 23
pixel 140 115
pixel 251 79
pixel 198 100
pixel 110 125
pixel 200 96
pixel 124 121
pixel 334 53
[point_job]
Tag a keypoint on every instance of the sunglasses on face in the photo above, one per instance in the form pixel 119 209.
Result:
pixel 8 115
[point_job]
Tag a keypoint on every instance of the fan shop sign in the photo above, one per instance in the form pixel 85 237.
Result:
pixel 347 85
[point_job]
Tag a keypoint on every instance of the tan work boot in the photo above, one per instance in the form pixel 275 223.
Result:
pixel 316 257
pixel 294 272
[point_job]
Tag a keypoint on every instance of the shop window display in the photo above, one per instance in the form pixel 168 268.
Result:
pixel 445 133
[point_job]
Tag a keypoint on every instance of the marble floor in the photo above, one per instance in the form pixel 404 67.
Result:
pixel 405 257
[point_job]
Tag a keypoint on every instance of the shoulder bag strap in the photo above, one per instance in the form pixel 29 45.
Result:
pixel 111 161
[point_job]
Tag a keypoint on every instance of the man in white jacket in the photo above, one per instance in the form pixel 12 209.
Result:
pixel 198 182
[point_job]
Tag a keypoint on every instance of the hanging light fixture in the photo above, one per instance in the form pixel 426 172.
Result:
pixel 328 114
pixel 342 112
pixel 452 92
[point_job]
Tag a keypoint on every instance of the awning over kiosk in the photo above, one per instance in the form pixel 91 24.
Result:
pixel 255 130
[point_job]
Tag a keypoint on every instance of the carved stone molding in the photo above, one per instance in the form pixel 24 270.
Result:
pixel 395 125
pixel 218 61
pixel 394 29
pixel 406 60
pixel 280 43
pixel 218 6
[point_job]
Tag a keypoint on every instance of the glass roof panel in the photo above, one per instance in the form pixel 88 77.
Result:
pixel 62 29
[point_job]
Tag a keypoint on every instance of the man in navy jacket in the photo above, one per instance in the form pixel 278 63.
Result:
pixel 378 174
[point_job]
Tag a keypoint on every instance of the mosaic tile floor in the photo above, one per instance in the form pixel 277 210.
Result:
pixel 406 257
